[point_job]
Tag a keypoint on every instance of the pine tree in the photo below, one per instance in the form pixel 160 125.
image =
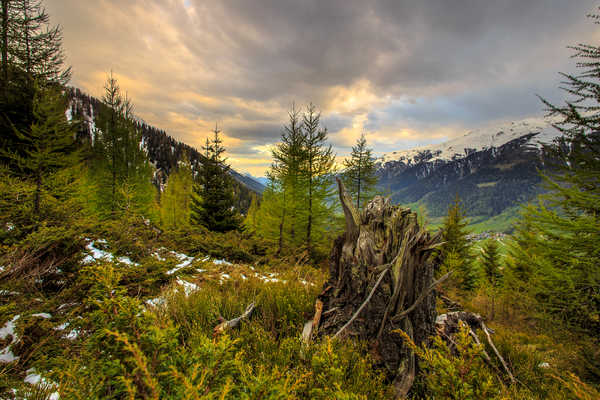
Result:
pixel 214 208
pixel 359 175
pixel 316 173
pixel 490 261
pixel 48 144
pixel 456 249
pixel 556 255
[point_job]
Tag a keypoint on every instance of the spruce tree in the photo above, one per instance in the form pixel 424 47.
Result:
pixel 48 144
pixel 490 261
pixel 214 208
pixel 456 249
pixel 556 255
pixel 359 175
pixel 316 173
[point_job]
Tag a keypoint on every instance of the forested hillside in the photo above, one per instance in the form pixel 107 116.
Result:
pixel 164 152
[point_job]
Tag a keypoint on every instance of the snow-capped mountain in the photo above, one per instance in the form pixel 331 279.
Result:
pixel 477 140
pixel 490 169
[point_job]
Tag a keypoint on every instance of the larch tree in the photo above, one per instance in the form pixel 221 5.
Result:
pixel 48 144
pixel 32 57
pixel 38 49
pixel 317 171
pixel 109 138
pixel 359 175
pixel 119 162
pixel 289 158
pixel 175 200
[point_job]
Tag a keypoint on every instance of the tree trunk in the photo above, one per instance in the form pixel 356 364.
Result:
pixel 381 280
pixel 4 45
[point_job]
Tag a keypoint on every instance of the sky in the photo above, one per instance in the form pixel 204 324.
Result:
pixel 406 73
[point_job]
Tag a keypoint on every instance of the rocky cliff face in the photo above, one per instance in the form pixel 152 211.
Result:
pixel 490 170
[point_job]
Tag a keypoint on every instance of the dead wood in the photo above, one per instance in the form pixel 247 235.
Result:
pixel 232 323
pixel 448 325
pixel 381 279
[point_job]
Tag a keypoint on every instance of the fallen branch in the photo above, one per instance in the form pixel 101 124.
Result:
pixel 491 343
pixel 232 323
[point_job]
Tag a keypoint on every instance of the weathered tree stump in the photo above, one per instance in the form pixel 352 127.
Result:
pixel 381 279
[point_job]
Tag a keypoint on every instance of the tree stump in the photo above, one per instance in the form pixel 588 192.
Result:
pixel 381 279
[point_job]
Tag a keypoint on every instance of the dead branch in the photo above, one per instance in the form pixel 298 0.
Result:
pixel 232 323
pixel 491 343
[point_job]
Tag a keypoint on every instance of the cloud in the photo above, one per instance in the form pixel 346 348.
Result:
pixel 405 72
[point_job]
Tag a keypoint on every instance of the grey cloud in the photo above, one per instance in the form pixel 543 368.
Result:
pixel 435 62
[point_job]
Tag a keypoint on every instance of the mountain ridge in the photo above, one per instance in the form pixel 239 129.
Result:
pixel 490 170
pixel 164 151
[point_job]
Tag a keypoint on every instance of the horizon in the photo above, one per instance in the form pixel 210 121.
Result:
pixel 407 75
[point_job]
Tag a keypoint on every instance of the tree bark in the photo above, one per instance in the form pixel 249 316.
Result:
pixel 5 25
pixel 381 279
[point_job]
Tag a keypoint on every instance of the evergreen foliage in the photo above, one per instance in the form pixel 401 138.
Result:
pixel 176 198
pixel 289 157
pixel 119 164
pixel 490 261
pixel 32 58
pixel 359 175
pixel 456 372
pixel 456 249
pixel 36 47
pixel 48 145
pixel 300 189
pixel 556 254
pixel 317 174
pixel 251 220
pixel 213 205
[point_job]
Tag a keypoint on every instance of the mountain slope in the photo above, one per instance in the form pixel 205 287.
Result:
pixel 491 170
pixel 163 150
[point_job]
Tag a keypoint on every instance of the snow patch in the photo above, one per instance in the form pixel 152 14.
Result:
pixel 6 355
pixel 42 315
pixel 33 378
pixel 97 254
pixel 188 287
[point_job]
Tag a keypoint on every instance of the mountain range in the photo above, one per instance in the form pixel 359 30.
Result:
pixel 491 170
